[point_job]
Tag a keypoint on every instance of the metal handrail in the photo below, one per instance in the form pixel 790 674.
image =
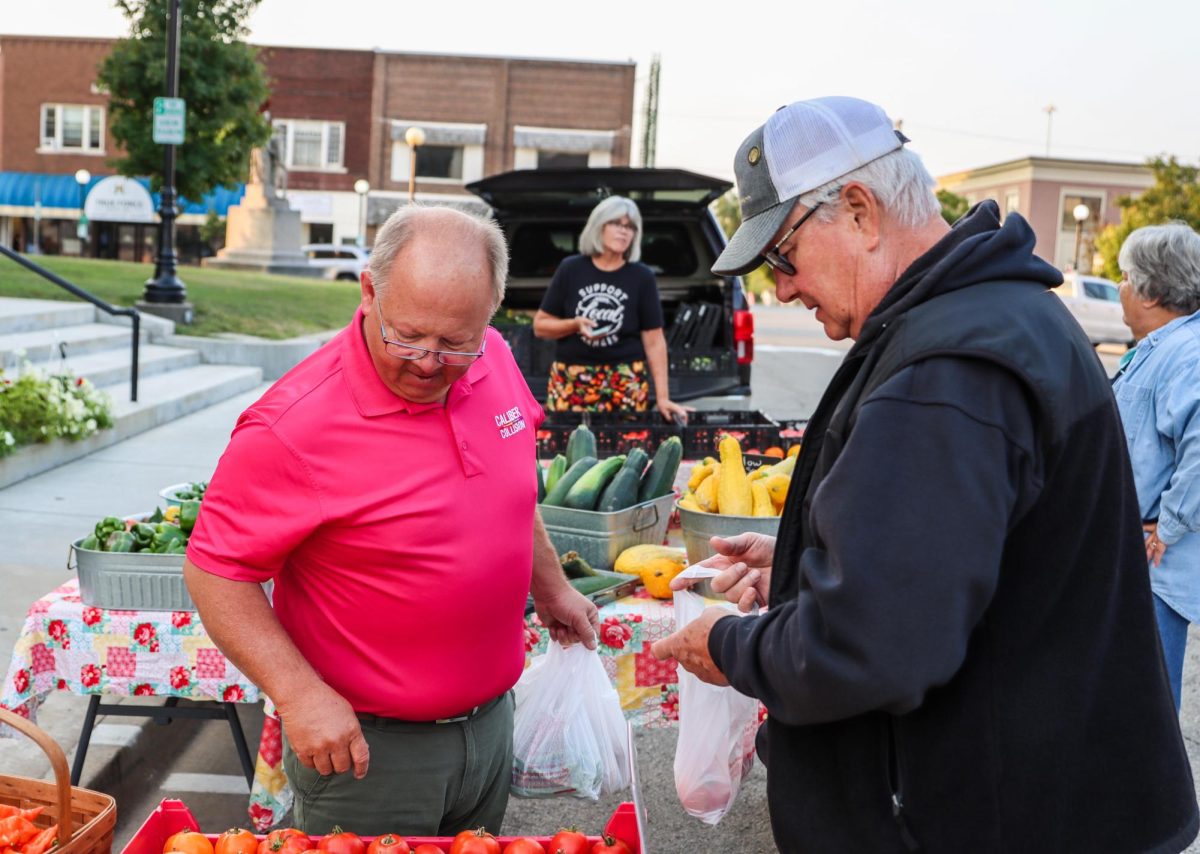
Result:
pixel 132 313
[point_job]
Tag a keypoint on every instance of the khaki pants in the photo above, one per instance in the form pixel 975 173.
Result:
pixel 424 779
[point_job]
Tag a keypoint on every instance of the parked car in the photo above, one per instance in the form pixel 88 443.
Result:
pixel 340 262
pixel 709 327
pixel 1096 304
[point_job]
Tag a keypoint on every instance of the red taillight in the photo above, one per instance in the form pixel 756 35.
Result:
pixel 743 336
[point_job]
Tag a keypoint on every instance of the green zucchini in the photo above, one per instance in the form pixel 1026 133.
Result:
pixel 594 584
pixel 558 467
pixel 659 479
pixel 622 490
pixel 586 491
pixel 581 443
pixel 575 566
pixel 541 480
pixel 555 497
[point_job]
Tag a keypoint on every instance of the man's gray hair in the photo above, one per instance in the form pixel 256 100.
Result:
pixel 403 225
pixel 1162 262
pixel 899 180
pixel 591 240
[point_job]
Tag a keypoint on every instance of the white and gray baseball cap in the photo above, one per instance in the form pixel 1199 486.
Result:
pixel 801 147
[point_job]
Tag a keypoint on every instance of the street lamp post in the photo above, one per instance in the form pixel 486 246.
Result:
pixel 362 188
pixel 82 178
pixel 1081 213
pixel 415 137
pixel 166 289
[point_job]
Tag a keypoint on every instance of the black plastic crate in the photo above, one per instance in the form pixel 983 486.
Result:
pixel 616 433
pixel 753 430
pixel 521 341
pixel 791 432
pixel 701 362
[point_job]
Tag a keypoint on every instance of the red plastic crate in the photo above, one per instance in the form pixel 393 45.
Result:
pixel 172 816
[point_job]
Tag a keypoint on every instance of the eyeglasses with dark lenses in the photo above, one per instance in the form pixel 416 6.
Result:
pixel 774 258
pixel 412 353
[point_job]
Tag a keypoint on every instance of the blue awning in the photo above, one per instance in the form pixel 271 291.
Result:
pixel 27 189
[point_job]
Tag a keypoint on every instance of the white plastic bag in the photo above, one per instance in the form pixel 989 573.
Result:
pixel 717 725
pixel 569 735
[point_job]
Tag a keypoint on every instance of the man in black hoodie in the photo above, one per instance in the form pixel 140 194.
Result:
pixel 959 652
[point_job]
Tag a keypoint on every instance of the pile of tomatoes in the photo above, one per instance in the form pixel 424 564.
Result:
pixel 292 841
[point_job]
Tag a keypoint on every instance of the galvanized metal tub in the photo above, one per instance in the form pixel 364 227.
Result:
pixel 699 527
pixel 135 581
pixel 601 537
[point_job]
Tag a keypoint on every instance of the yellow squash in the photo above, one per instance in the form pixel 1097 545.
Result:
pixel 777 487
pixel 699 472
pixel 761 499
pixel 688 502
pixel 706 492
pixel 733 490
pixel 634 558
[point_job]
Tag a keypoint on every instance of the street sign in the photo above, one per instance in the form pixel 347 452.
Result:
pixel 169 115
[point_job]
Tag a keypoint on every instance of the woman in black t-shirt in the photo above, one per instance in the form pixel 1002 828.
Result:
pixel 603 308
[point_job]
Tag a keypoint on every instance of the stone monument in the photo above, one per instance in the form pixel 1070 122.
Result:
pixel 262 232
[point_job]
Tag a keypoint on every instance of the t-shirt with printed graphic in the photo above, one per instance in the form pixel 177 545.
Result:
pixel 622 302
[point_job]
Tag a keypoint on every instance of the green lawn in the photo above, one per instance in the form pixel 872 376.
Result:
pixel 226 301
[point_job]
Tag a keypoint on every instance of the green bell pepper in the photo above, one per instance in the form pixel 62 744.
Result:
pixel 108 525
pixel 188 511
pixel 119 541
pixel 143 536
pixel 164 535
pixel 91 544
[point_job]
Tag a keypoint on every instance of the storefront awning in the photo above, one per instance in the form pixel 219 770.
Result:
pixel 29 189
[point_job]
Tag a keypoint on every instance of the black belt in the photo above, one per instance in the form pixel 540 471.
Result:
pixel 454 719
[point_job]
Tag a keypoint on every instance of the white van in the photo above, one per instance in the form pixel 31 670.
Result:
pixel 1096 304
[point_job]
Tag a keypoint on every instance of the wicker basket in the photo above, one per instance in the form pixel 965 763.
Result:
pixel 84 818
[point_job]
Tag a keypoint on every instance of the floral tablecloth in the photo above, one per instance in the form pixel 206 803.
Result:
pixel 68 646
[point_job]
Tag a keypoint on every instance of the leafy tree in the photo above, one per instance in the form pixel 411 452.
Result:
pixel 1175 195
pixel 953 205
pixel 212 229
pixel 220 78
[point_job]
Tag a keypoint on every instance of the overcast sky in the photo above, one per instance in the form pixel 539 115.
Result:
pixel 970 81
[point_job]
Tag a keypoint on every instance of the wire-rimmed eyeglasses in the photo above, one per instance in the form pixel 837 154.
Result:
pixel 412 353
pixel 773 257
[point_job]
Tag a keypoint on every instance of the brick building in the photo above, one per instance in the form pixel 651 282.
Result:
pixel 339 116
pixel 1046 190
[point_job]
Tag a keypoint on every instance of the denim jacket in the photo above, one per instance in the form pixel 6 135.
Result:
pixel 1158 394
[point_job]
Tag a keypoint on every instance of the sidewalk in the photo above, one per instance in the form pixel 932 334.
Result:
pixel 43 515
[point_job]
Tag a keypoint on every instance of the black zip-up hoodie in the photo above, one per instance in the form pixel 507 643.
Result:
pixel 960 653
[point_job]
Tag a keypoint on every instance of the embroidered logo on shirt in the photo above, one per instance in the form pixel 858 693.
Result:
pixel 510 423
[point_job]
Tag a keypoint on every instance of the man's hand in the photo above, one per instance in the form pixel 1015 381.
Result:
pixel 689 646
pixel 672 411
pixel 324 733
pixel 745 564
pixel 569 616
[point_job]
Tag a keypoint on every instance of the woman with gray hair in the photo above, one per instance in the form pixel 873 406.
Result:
pixel 604 310
pixel 1158 394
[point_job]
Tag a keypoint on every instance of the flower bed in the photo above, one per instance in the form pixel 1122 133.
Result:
pixel 35 407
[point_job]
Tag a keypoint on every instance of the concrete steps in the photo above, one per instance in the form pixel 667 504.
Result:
pixel 49 337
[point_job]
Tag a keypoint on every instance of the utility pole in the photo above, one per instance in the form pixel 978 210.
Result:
pixel 1049 110
pixel 165 294
pixel 650 130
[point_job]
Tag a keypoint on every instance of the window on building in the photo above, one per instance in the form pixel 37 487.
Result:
pixel 1012 202
pixel 72 128
pixel 310 145
pixel 440 161
pixel 562 159
pixel 1069 202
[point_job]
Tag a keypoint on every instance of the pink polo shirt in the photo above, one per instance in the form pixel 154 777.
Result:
pixel 399 535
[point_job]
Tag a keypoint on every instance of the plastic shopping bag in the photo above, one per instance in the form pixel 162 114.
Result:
pixel 569 735
pixel 717 725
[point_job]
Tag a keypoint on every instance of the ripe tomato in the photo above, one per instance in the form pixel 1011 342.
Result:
pixel 475 842
pixel 236 840
pixel 427 848
pixel 189 842
pixel 273 842
pixel 389 843
pixel 568 841
pixel 524 845
pixel 342 842
pixel 610 845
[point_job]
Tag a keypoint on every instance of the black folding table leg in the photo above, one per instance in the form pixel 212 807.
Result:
pixel 239 741
pixel 85 736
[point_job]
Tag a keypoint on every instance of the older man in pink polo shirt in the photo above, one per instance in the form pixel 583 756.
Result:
pixel 386 485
